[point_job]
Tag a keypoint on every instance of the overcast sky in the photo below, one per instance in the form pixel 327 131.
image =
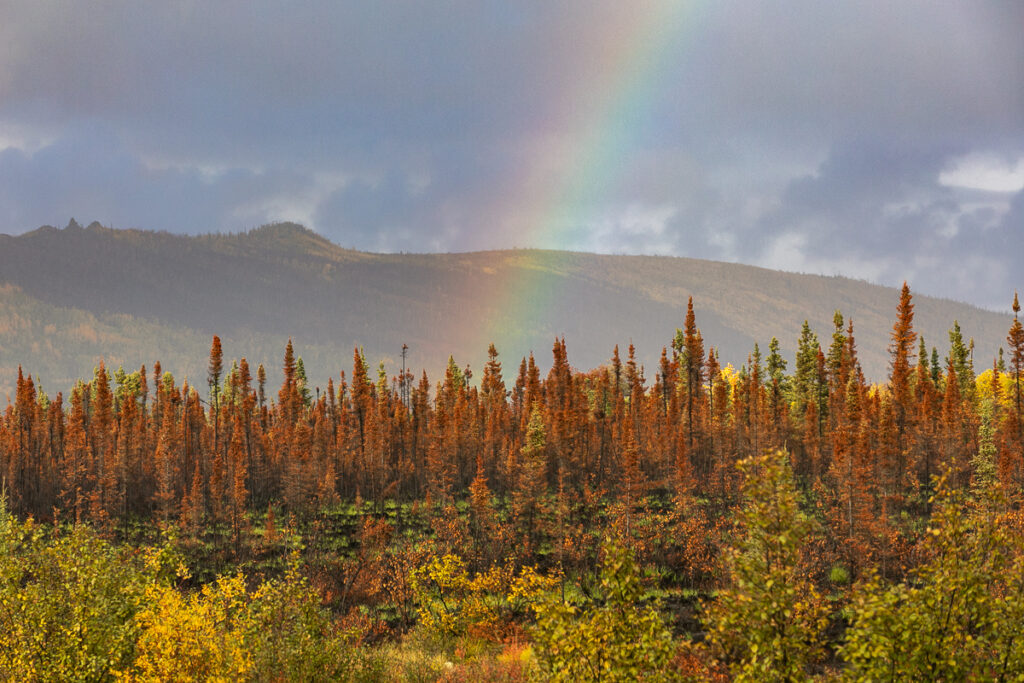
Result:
pixel 877 140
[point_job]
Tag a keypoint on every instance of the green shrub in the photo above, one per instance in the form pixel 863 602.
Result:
pixel 615 637
pixel 67 603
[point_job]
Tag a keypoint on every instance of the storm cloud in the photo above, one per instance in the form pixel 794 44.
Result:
pixel 876 140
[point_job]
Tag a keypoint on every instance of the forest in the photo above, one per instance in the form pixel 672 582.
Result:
pixel 690 521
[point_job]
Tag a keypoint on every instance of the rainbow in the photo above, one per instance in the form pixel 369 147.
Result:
pixel 600 120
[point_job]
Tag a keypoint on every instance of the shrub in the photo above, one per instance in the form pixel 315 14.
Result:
pixel 615 637
pixel 67 603
pixel 453 603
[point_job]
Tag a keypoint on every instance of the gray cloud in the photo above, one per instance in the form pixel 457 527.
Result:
pixel 90 173
pixel 880 213
pixel 807 135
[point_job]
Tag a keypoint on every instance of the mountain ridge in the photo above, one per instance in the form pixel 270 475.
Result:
pixel 258 288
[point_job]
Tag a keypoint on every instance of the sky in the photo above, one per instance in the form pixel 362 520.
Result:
pixel 876 140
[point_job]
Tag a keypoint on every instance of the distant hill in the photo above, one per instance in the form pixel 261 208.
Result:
pixel 71 296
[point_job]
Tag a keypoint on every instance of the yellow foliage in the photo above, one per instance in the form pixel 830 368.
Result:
pixel 983 384
pixel 452 602
pixel 192 638
pixel 729 374
pixel 74 607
